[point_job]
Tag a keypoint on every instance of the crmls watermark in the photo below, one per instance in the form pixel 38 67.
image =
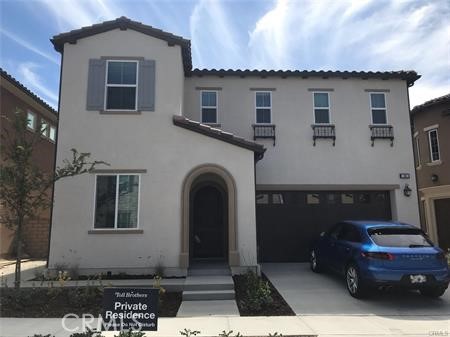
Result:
pixel 93 323
pixel 438 333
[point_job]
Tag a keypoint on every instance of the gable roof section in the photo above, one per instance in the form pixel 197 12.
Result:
pixel 124 23
pixel 227 137
pixel 27 91
pixel 409 76
pixel 435 101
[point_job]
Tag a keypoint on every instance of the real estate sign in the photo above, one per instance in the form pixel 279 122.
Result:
pixel 130 309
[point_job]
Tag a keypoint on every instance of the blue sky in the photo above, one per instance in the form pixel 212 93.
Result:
pixel 255 34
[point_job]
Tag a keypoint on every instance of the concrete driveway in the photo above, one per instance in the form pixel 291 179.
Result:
pixel 324 304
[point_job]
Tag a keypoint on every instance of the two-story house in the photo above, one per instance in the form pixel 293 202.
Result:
pixel 431 122
pixel 14 97
pixel 236 166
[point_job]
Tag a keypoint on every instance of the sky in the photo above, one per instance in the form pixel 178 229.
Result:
pixel 368 35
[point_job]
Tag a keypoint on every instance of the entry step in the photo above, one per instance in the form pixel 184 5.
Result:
pixel 208 295
pixel 215 282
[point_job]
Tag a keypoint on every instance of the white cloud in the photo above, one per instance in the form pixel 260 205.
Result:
pixel 29 77
pixel 70 14
pixel 28 46
pixel 358 35
pixel 213 36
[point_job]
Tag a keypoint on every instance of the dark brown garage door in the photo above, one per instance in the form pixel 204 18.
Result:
pixel 288 221
pixel 442 207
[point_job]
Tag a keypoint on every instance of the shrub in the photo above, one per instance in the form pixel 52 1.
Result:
pixel 88 333
pixel 258 293
pixel 130 334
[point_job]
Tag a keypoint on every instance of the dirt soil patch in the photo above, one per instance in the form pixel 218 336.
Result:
pixel 57 302
pixel 278 307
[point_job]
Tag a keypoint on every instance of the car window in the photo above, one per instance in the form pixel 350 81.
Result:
pixel 349 233
pixel 399 237
pixel 335 230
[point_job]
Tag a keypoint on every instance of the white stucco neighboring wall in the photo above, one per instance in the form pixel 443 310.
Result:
pixel 294 162
pixel 148 141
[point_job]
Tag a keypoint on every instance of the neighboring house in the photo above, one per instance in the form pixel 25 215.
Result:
pixel 13 97
pixel 431 122
pixel 316 148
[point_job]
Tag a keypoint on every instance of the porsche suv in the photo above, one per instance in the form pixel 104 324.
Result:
pixel 374 254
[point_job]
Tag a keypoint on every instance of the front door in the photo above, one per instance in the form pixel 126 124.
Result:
pixel 209 229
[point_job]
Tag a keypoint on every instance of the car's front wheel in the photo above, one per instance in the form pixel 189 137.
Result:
pixel 314 262
pixel 433 292
pixel 355 285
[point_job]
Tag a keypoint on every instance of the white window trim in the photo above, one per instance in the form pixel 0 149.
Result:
pixel 429 145
pixel 417 146
pixel 263 107
pixel 33 128
pixel 431 127
pixel 49 129
pixel 371 108
pixel 209 107
pixel 121 85
pixel 323 108
pixel 115 228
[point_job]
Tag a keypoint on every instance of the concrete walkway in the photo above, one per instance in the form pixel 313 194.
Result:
pixel 29 268
pixel 167 327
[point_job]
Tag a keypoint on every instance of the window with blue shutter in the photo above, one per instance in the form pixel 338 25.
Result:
pixel 121 85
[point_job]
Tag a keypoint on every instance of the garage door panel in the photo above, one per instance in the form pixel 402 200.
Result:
pixel 442 207
pixel 288 221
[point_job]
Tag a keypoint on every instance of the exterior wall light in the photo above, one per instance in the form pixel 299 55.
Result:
pixel 434 178
pixel 407 190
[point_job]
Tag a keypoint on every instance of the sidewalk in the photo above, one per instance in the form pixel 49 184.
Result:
pixel 168 327
pixel 310 325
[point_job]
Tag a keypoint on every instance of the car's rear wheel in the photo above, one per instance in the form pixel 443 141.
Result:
pixel 433 292
pixel 314 262
pixel 355 285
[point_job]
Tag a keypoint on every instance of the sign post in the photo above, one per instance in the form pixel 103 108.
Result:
pixel 130 309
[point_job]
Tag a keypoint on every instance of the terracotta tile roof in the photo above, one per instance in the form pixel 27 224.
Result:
pixel 124 23
pixel 435 101
pixel 27 91
pixel 408 75
pixel 227 137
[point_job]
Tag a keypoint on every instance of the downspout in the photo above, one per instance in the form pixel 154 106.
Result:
pixel 54 160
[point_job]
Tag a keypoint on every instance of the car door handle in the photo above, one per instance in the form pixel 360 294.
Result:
pixel 347 249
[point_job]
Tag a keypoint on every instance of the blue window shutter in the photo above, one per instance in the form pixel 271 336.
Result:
pixel 146 90
pixel 96 85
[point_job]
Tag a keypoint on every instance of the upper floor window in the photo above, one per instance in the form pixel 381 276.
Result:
pixel 209 106
pixel 52 133
pixel 44 128
pixel 378 108
pixel 121 85
pixel 116 201
pixel 434 145
pixel 31 120
pixel 417 146
pixel 263 107
pixel 321 108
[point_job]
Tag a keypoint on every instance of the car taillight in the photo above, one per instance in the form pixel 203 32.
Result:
pixel 441 256
pixel 378 256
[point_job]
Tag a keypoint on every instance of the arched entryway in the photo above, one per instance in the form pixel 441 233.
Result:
pixel 208 216
pixel 208 235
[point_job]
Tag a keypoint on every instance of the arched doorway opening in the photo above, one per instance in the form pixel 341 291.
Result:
pixel 208 218
pixel 208 221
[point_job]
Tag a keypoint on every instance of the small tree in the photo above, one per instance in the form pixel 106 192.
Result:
pixel 25 187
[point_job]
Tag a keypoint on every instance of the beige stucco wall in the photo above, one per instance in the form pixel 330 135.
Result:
pixel 148 141
pixel 294 160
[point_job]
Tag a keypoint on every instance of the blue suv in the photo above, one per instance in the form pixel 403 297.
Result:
pixel 374 254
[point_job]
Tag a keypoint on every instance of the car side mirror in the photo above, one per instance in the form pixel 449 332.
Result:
pixel 322 234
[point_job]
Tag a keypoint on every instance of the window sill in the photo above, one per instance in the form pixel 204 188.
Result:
pixel 116 231
pixel 434 163
pixel 419 167
pixel 213 125
pixel 124 112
